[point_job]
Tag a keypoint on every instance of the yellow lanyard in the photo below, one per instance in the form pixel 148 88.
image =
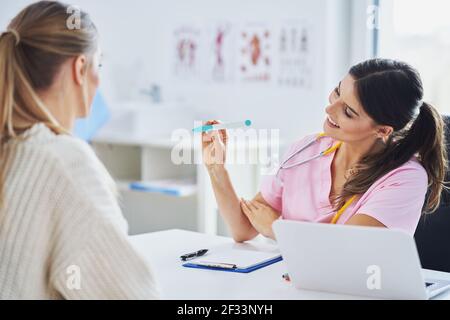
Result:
pixel 341 210
pixel 332 148
pixel 349 201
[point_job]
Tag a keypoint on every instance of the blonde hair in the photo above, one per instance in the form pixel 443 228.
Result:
pixel 37 42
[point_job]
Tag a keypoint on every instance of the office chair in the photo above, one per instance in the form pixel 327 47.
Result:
pixel 433 232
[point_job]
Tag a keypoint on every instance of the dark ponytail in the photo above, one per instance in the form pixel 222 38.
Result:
pixel 391 93
pixel 426 138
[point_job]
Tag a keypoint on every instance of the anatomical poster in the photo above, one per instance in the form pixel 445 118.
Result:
pixel 295 55
pixel 186 52
pixel 255 53
pixel 221 50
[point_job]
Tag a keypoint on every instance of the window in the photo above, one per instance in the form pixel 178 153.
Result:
pixel 418 32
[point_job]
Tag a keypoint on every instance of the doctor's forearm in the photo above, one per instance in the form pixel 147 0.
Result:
pixel 229 205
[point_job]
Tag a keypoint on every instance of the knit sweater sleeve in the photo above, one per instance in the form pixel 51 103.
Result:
pixel 104 267
pixel 92 257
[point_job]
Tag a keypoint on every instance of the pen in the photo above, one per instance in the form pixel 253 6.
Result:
pixel 220 126
pixel 192 255
pixel 217 265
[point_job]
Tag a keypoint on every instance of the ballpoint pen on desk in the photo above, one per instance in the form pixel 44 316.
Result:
pixel 218 265
pixel 193 255
pixel 220 126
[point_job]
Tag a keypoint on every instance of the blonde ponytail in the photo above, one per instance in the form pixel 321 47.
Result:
pixel 7 44
pixel 37 42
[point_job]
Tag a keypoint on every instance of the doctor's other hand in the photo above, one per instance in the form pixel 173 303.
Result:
pixel 214 147
pixel 260 216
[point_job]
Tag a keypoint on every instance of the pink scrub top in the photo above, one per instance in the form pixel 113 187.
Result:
pixel 302 192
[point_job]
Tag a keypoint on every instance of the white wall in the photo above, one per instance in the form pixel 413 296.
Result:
pixel 136 41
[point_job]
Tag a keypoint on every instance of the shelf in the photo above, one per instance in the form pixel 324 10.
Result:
pixel 162 142
pixel 159 188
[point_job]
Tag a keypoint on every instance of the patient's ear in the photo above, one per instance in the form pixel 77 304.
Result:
pixel 79 67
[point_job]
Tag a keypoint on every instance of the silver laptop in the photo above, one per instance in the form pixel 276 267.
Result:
pixel 361 261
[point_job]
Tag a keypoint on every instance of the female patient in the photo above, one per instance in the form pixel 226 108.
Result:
pixel 62 234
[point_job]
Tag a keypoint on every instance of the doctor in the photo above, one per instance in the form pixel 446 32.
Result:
pixel 381 150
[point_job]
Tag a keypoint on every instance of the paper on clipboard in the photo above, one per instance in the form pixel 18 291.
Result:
pixel 238 255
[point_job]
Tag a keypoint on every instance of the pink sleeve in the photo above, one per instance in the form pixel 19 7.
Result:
pixel 272 191
pixel 397 202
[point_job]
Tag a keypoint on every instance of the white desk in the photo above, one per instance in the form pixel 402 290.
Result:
pixel 162 249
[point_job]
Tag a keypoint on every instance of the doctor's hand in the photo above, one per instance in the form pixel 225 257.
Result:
pixel 214 147
pixel 261 216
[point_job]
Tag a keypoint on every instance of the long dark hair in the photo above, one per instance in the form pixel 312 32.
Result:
pixel 391 94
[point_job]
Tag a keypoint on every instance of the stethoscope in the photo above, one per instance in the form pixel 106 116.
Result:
pixel 326 152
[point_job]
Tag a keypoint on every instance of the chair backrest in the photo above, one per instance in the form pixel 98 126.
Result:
pixel 433 232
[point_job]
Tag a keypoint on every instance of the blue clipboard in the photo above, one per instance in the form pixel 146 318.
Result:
pixel 238 270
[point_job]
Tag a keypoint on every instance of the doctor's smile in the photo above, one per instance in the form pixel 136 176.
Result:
pixel 332 123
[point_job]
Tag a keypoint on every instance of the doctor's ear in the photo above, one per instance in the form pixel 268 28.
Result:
pixel 383 132
pixel 79 67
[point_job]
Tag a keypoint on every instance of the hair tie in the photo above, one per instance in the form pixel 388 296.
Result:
pixel 418 109
pixel 15 34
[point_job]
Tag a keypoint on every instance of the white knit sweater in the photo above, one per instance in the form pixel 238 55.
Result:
pixel 62 233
